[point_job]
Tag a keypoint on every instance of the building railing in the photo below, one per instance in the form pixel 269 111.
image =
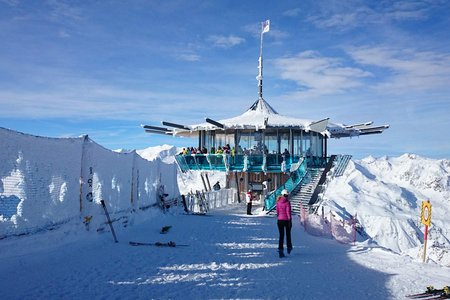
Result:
pixel 268 163
pixel 297 172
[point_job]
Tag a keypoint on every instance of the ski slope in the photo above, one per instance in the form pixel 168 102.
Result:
pixel 230 255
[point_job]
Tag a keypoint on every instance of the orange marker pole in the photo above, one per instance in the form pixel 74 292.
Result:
pixel 425 217
pixel 425 243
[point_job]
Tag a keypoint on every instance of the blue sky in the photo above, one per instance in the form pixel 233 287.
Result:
pixel 102 68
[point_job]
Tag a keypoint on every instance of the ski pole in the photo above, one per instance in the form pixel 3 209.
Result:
pixel 109 221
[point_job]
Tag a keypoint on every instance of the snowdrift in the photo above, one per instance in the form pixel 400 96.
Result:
pixel 45 182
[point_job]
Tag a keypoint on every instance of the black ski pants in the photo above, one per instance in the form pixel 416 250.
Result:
pixel 284 226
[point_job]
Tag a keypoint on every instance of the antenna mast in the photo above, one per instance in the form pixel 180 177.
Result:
pixel 265 27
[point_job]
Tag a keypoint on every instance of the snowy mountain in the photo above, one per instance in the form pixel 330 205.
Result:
pixel 190 181
pixel 386 195
pixel 165 152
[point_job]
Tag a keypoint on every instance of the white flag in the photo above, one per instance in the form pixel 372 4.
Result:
pixel 266 26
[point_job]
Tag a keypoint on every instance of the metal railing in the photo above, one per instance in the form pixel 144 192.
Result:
pixel 298 172
pixel 275 163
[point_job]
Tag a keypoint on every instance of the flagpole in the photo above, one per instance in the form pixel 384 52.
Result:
pixel 260 66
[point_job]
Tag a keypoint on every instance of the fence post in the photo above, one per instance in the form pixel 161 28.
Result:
pixel 81 172
pixel 132 179
pixel 331 224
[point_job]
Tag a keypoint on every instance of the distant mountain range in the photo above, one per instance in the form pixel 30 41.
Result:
pixel 386 194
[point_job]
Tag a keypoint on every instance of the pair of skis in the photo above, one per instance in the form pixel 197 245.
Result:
pixel 158 244
pixel 432 293
pixel 164 230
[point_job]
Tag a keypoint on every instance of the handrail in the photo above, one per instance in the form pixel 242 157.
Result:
pixel 243 163
pixel 295 178
pixel 322 179
pixel 341 164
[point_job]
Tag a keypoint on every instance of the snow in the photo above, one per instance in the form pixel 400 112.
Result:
pixel 231 254
pixel 261 115
pixel 386 195
pixel 45 182
pixel 164 152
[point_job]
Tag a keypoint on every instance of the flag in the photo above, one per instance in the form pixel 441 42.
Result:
pixel 265 26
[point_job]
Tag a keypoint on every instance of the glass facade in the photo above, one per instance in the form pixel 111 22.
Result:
pixel 269 150
pixel 271 141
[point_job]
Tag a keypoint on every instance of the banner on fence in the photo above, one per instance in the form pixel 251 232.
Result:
pixel 343 231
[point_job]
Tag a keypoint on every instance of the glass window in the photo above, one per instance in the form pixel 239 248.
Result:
pixel 271 142
pixel 306 144
pixel 251 142
pixel 316 144
pixel 224 139
pixel 209 140
pixel 284 141
pixel 298 142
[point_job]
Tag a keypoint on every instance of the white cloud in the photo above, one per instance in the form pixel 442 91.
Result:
pixel 12 3
pixel 63 34
pixel 357 14
pixel 62 11
pixel 188 57
pixel 91 100
pixel 225 41
pixel 408 10
pixel 320 75
pixel 292 12
pixel 337 20
pixel 407 69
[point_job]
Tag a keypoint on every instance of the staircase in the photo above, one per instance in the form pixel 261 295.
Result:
pixel 308 191
pixel 341 164
pixel 304 191
pixel 302 194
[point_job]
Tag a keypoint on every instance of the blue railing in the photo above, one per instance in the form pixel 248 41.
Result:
pixel 241 163
pixel 298 172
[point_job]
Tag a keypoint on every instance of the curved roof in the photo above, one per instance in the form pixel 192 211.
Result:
pixel 262 116
pixel 259 116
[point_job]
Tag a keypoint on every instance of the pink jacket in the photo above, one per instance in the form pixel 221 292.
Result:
pixel 248 197
pixel 283 208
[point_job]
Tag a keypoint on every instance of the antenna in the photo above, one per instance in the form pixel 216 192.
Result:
pixel 265 27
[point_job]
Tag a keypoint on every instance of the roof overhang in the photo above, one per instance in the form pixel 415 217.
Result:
pixel 261 116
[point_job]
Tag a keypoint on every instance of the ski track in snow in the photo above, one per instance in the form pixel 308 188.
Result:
pixel 230 255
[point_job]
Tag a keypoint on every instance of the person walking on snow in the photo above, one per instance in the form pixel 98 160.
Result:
pixel 284 222
pixel 248 200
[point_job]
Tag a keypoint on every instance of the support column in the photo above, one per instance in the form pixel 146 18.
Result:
pixel 291 142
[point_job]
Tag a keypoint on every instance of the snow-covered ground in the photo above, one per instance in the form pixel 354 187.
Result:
pixel 232 255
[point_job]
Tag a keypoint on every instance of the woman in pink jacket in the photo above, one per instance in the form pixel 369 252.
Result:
pixel 284 222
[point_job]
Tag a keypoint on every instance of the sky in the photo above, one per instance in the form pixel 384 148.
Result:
pixel 103 68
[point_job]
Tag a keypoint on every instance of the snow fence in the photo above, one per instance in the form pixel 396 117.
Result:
pixel 45 182
pixel 343 231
